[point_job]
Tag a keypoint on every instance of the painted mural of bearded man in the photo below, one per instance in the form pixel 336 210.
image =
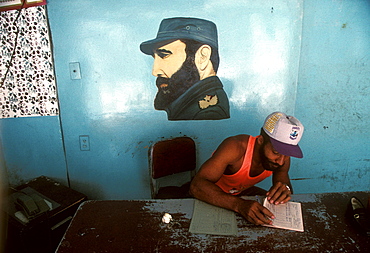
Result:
pixel 186 60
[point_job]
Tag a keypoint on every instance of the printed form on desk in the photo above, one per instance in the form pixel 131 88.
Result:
pixel 287 215
pixel 213 220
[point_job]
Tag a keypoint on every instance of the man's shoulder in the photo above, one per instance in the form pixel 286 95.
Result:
pixel 233 149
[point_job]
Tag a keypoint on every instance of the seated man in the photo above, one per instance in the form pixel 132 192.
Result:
pixel 242 161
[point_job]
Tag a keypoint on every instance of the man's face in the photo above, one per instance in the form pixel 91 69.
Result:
pixel 270 158
pixel 175 72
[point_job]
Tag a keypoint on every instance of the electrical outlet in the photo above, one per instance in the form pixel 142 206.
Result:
pixel 84 143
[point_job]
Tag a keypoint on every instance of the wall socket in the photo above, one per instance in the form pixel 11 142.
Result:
pixel 84 143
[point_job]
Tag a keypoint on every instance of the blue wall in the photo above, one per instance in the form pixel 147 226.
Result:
pixel 307 58
pixel 334 95
pixel 32 146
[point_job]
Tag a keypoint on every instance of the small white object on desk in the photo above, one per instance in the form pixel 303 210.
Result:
pixel 167 218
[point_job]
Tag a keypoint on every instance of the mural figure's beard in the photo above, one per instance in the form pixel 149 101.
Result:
pixel 267 165
pixel 169 89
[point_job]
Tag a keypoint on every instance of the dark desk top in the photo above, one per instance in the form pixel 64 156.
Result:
pixel 136 226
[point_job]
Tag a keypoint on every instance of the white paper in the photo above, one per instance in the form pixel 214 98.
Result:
pixel 287 216
pixel 209 219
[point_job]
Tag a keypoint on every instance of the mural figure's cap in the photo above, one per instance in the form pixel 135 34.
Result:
pixel 285 132
pixel 172 29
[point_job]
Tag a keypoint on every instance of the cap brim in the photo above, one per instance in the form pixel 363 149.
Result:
pixel 287 149
pixel 149 46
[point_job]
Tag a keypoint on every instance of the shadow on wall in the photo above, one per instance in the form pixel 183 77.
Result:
pixel 3 191
pixel 92 191
pixel 15 177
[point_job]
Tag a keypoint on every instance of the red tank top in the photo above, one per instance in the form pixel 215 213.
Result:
pixel 240 181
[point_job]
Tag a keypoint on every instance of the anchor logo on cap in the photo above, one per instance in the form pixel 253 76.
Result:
pixel 294 133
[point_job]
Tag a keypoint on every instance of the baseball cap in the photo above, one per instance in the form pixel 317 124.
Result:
pixel 172 29
pixel 285 132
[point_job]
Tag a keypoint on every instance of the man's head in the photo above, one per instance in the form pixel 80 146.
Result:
pixel 280 134
pixel 285 132
pixel 184 51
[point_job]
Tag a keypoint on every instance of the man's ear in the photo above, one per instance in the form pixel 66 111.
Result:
pixel 260 140
pixel 203 58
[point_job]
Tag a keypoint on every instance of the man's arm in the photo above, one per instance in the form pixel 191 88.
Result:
pixel 203 186
pixel 281 188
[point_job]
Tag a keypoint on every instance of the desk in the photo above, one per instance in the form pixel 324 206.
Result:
pixel 43 234
pixel 135 226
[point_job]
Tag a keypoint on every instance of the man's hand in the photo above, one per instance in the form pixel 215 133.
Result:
pixel 279 193
pixel 254 212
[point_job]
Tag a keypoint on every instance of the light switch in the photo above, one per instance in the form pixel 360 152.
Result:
pixel 74 70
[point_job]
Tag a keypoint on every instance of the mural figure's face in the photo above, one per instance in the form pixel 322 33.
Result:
pixel 168 59
pixel 270 158
pixel 175 72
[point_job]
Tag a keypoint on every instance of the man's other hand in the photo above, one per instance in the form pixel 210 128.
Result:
pixel 279 193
